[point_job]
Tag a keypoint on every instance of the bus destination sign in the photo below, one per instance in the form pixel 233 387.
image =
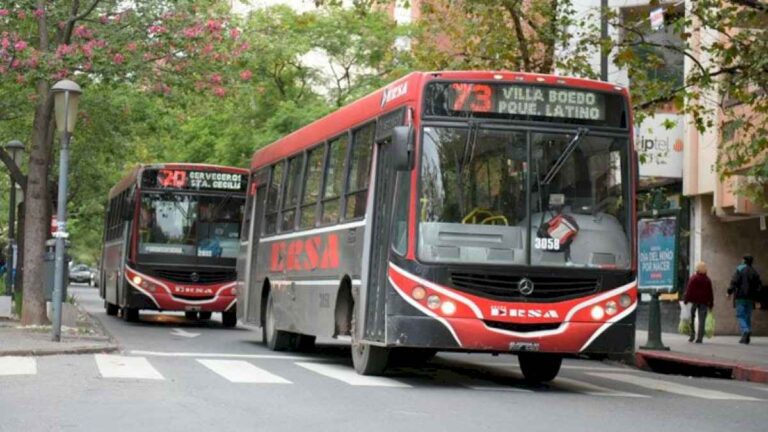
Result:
pixel 528 100
pixel 197 180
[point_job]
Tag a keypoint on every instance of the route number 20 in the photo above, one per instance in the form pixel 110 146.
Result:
pixel 549 244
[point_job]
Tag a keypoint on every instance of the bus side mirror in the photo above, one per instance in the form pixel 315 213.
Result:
pixel 402 148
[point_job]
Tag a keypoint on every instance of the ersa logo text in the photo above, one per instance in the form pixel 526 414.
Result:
pixel 503 311
pixel 393 93
pixel 305 254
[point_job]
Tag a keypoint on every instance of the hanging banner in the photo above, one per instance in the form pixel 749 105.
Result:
pixel 657 254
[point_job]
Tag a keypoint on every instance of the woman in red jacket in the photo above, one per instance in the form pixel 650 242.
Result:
pixel 699 294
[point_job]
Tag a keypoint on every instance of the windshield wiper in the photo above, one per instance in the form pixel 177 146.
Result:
pixel 564 156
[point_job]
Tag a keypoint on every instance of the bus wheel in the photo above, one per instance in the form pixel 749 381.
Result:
pixel 274 339
pixel 205 315
pixel 112 309
pixel 131 314
pixel 229 319
pixel 539 367
pixel 190 315
pixel 367 359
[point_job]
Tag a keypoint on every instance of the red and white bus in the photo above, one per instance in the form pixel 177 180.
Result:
pixel 456 211
pixel 171 238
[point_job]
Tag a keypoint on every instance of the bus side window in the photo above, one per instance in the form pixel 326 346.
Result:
pixel 400 216
pixel 291 194
pixel 334 176
pixel 359 171
pixel 311 190
pixel 273 193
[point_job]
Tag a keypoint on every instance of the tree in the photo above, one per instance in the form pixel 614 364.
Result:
pixel 154 44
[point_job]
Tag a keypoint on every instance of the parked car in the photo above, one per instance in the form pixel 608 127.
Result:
pixel 81 273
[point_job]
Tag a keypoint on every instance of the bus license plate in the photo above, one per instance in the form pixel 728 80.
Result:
pixel 524 346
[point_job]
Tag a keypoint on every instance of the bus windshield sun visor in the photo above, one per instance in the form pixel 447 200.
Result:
pixel 581 133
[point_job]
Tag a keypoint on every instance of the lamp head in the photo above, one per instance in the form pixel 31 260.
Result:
pixel 66 94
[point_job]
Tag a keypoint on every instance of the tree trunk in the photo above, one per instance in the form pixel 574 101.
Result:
pixel 36 225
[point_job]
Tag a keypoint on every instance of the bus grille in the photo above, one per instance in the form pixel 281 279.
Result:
pixel 203 277
pixel 504 287
pixel 521 328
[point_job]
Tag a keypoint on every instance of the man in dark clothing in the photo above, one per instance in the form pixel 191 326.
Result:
pixel 745 288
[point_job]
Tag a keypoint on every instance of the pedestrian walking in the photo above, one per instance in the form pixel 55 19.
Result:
pixel 699 294
pixel 745 289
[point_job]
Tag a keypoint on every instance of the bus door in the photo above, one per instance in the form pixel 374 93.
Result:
pixel 252 286
pixel 381 215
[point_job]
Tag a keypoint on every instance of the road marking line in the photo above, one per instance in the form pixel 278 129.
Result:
pixel 238 371
pixel 13 365
pixel 221 355
pixel 349 376
pixel 498 388
pixel 116 366
pixel 183 333
pixel 671 387
pixel 591 389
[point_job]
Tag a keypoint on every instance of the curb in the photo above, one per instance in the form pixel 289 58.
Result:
pixel 99 349
pixel 661 361
pixel 97 323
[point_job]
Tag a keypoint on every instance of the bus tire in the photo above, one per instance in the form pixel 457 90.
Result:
pixel 228 319
pixel 190 315
pixel 112 309
pixel 368 359
pixel 205 315
pixel 539 367
pixel 274 339
pixel 131 314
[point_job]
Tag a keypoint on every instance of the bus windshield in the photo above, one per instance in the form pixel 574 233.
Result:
pixel 190 224
pixel 483 200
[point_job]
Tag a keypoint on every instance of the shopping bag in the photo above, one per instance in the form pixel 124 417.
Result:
pixel 709 325
pixel 684 327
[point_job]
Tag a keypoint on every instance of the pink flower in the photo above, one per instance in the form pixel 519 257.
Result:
pixel 20 46
pixel 38 13
pixel 215 79
pixel 246 75
pixel 63 50
pixel 83 32
pixel 5 43
pixel 213 25
pixel 220 91
pixel 21 15
pixel 131 46
pixel 234 33
pixel 118 59
pixel 104 19
pixel 15 64
pixel 4 12
pixel 20 79
pixel 87 50
pixel 87 66
pixel 157 29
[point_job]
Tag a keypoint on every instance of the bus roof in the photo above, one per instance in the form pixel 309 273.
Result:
pixel 133 175
pixel 395 94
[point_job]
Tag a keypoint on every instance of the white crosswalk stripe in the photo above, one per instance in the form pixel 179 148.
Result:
pixel 239 371
pixel 583 387
pixel 18 366
pixel 348 375
pixel 116 366
pixel 671 387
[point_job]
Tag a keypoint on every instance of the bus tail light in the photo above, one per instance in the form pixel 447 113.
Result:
pixel 433 302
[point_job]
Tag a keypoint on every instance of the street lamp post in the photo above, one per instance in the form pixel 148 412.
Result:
pixel 15 148
pixel 66 95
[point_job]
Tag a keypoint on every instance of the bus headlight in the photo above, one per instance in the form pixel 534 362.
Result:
pixel 597 313
pixel 419 293
pixel 448 307
pixel 137 280
pixel 625 300
pixel 611 308
pixel 433 302
pixel 234 291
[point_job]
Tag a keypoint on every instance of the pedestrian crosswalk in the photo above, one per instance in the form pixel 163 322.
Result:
pixel 267 370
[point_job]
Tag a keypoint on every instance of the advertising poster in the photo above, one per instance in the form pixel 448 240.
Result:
pixel 657 254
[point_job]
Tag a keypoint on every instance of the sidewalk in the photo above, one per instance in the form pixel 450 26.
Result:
pixel 721 356
pixel 87 337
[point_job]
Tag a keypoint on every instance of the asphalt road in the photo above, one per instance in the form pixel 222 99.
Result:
pixel 173 375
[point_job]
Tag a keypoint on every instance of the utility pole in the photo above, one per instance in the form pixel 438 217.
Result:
pixel 603 38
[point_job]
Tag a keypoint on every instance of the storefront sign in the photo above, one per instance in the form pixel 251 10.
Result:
pixel 657 254
pixel 661 149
